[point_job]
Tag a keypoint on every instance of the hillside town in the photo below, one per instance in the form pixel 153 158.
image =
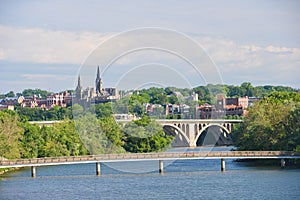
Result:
pixel 202 102
pixel 187 108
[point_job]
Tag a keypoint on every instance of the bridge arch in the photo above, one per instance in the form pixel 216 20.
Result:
pixel 180 137
pixel 206 126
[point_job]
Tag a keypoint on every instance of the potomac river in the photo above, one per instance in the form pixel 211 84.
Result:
pixel 182 179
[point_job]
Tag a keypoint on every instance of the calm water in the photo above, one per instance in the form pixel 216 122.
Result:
pixel 189 179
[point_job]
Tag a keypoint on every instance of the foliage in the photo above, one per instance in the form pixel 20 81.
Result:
pixel 19 139
pixel 203 94
pixel 38 114
pixel 10 134
pixel 31 92
pixel 61 139
pixel 144 136
pixel 99 135
pixel 9 94
pixel 272 124
pixel 103 110
pixel 112 130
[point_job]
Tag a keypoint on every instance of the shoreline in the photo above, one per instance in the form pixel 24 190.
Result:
pixel 6 170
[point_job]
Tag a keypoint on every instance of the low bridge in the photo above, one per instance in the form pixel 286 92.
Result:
pixel 35 162
pixel 186 131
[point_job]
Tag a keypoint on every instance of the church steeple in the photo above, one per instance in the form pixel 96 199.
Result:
pixel 78 83
pixel 98 82
pixel 78 89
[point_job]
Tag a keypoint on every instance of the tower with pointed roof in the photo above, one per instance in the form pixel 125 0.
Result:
pixel 98 82
pixel 78 90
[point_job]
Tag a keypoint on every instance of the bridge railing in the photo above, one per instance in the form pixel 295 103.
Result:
pixel 145 156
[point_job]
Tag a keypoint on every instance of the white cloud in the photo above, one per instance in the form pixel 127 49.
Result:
pixel 262 65
pixel 46 46
pixel 2 54
pixel 237 63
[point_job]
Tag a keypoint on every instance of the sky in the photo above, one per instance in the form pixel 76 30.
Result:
pixel 138 43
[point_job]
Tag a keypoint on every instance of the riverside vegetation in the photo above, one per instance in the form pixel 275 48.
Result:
pixel 271 124
pixel 19 139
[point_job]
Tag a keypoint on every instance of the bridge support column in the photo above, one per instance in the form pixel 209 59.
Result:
pixel 282 163
pixel 98 169
pixel 161 167
pixel 33 171
pixel 222 165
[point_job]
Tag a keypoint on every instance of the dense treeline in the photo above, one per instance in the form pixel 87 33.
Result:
pixel 27 93
pixel 87 134
pixel 272 124
pixel 161 95
pixel 38 114
pixel 19 139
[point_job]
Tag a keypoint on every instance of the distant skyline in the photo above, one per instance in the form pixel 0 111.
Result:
pixel 44 43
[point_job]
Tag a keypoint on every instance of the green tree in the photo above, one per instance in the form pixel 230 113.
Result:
pixel 10 135
pixel 159 98
pixel 203 94
pixel 10 94
pixel 32 141
pixel 112 130
pixel 271 124
pixel 38 92
pixel 145 135
pixel 103 110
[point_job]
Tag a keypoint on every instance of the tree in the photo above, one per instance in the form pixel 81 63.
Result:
pixel 248 90
pixel 159 98
pixel 172 99
pixel 112 130
pixel 38 92
pixel 31 141
pixel 10 94
pixel 121 106
pixel 203 94
pixel 103 110
pixel 10 135
pixel 271 124
pixel 145 135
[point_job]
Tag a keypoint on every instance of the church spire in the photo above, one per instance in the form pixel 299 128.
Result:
pixel 78 90
pixel 78 82
pixel 98 82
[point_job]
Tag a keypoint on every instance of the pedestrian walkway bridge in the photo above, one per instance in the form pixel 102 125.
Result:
pixel 34 162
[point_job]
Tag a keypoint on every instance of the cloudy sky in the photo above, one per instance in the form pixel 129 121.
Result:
pixel 46 44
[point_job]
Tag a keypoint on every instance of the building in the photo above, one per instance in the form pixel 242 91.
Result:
pixel 252 100
pixel 6 107
pixel 222 102
pixel 54 99
pixel 95 95
pixel 235 106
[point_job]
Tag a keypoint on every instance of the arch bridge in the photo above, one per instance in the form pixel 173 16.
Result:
pixel 188 131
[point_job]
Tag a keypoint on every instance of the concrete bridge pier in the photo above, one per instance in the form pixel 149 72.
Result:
pixel 223 165
pixel 282 163
pixel 33 171
pixel 98 169
pixel 161 167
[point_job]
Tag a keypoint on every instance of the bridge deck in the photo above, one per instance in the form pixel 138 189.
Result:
pixel 149 156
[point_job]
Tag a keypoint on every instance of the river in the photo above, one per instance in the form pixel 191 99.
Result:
pixel 182 179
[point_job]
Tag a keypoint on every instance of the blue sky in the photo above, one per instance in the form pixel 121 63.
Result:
pixel 44 43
